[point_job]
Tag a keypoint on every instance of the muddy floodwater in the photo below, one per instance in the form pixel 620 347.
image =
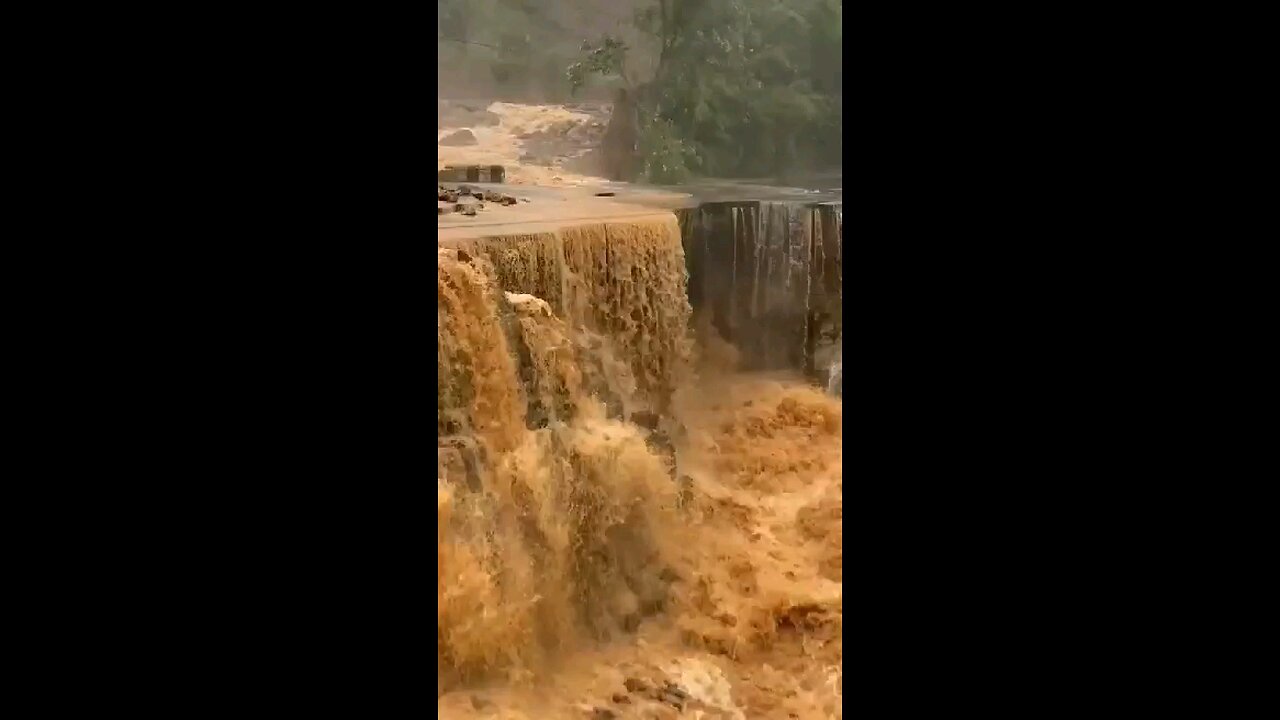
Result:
pixel 630 525
pixel 548 144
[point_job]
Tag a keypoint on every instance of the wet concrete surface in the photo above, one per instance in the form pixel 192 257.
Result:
pixel 543 209
pixel 542 205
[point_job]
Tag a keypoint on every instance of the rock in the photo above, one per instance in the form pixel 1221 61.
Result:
pixel 635 685
pixel 658 441
pixel 461 457
pixel 603 714
pixel 673 695
pixel 621 699
pixel 480 703
pixel 672 699
pixel 645 419
pixel 461 137
pixel 684 494
pixel 463 256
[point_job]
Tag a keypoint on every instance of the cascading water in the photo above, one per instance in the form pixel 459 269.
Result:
pixel 542 485
pixel 835 375
pixel 625 525
pixel 769 274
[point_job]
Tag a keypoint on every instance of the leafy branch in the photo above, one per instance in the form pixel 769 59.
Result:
pixel 605 57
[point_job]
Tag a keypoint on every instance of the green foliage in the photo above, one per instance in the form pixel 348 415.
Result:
pixel 603 58
pixel 742 87
pixel 665 157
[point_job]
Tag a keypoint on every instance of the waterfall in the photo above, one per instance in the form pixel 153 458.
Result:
pixel 769 275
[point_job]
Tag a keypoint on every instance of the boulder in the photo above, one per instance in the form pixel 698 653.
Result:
pixel 460 137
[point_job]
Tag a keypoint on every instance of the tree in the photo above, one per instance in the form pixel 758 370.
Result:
pixel 739 87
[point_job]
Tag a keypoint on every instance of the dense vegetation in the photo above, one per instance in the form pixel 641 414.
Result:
pixel 726 88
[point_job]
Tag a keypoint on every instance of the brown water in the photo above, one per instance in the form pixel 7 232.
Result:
pixel 628 527
pixel 543 144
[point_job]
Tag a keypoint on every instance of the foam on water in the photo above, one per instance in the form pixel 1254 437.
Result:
pixel 618 506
